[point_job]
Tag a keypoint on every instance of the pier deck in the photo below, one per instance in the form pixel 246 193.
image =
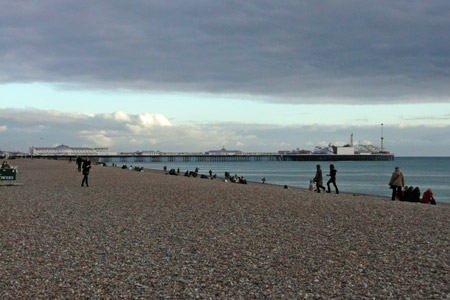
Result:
pixel 128 158
pixel 244 158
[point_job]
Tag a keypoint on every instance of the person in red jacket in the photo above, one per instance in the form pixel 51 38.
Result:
pixel 428 197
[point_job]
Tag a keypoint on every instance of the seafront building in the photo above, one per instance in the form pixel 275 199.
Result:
pixel 63 150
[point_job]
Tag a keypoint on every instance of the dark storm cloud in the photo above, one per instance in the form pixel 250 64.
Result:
pixel 292 51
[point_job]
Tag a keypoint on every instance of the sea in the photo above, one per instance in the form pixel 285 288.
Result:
pixel 359 177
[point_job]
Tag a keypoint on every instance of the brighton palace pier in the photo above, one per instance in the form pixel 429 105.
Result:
pixel 223 155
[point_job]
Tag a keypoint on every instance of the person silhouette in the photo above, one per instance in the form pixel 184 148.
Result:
pixel 79 161
pixel 396 183
pixel 86 168
pixel 332 179
pixel 318 179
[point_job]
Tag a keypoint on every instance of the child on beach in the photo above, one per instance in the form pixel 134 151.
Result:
pixel 312 185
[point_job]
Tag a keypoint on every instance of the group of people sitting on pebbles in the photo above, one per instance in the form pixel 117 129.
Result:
pixel 195 173
pixel 190 173
pixel 235 178
pixel 405 193
pixel 136 168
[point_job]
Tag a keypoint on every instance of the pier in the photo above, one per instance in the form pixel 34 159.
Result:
pixel 240 158
pixel 330 153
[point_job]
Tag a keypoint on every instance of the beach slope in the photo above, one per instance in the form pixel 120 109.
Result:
pixel 148 235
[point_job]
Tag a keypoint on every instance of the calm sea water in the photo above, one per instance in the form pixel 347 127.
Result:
pixel 367 177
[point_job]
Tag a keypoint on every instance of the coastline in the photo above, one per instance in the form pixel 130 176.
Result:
pixel 352 178
pixel 150 235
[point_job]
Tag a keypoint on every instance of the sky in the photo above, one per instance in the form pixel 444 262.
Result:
pixel 245 75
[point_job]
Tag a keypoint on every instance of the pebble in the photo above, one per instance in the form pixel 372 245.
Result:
pixel 144 235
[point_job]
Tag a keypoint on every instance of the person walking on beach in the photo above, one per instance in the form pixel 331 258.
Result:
pixel 79 161
pixel 86 168
pixel 318 179
pixel 332 180
pixel 396 183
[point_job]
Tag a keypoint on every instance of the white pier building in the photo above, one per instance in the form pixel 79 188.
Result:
pixel 63 150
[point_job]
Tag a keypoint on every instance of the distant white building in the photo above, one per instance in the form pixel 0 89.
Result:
pixel 346 150
pixel 63 150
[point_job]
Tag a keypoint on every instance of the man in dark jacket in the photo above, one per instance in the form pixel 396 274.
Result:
pixel 332 180
pixel 79 161
pixel 86 168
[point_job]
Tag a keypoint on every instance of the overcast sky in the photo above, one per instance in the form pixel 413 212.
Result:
pixel 248 75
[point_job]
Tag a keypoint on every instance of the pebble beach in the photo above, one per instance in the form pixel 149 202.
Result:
pixel 149 235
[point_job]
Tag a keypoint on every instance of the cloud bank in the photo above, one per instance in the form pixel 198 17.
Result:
pixel 289 51
pixel 23 128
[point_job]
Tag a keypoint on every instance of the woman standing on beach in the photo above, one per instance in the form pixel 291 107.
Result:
pixel 396 183
pixel 318 179
pixel 332 180
pixel 86 167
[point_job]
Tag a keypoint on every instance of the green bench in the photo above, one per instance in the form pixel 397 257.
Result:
pixel 8 174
